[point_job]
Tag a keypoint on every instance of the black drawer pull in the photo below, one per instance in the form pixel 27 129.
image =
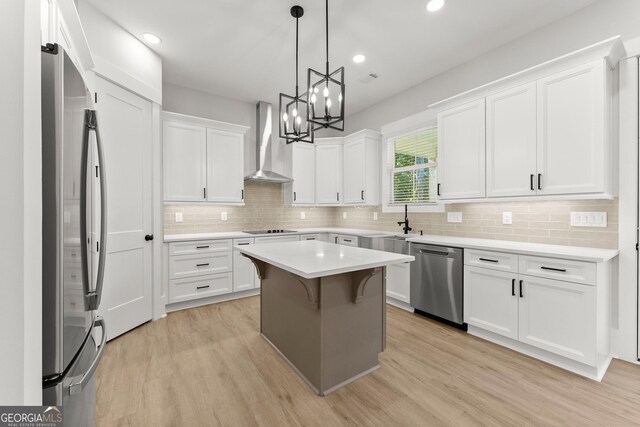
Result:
pixel 513 287
pixel 241 244
pixel 202 265
pixel 203 247
pixel 488 260
pixel 202 287
pixel 347 240
pixel 310 238
pixel 561 270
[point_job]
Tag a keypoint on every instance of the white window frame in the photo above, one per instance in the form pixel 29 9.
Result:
pixel 390 132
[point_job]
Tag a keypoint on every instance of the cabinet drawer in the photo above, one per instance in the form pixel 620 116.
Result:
pixel 199 287
pixel 200 246
pixel 561 269
pixel 348 240
pixel 197 265
pixel 310 237
pixel 494 260
pixel 242 242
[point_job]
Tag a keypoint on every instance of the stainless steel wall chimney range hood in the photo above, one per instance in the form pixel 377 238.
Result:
pixel 264 164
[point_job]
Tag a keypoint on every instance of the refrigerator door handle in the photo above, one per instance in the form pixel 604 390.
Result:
pixel 78 384
pixel 84 239
pixel 92 298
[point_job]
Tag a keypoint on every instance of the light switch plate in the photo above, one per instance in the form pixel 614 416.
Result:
pixel 223 216
pixel 589 219
pixel 178 216
pixel 454 217
pixel 375 216
pixel 344 215
pixel 507 218
pixel 302 215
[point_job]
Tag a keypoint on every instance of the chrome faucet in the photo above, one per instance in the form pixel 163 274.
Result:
pixel 406 227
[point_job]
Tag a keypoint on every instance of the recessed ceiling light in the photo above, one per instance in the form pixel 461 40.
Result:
pixel 152 38
pixel 435 5
pixel 359 58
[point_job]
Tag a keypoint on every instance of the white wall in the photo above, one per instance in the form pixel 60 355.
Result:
pixel 20 195
pixel 178 99
pixel 594 23
pixel 119 56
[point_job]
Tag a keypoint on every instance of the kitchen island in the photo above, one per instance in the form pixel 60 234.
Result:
pixel 322 307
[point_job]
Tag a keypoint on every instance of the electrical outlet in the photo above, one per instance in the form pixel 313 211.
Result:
pixel 178 216
pixel 589 219
pixel 507 218
pixel 223 216
pixel 344 215
pixel 375 216
pixel 302 215
pixel 454 217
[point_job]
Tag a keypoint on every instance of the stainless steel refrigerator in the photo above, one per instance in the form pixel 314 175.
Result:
pixel 73 240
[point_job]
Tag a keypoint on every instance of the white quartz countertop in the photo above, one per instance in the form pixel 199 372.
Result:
pixel 523 248
pixel 312 259
pixel 240 234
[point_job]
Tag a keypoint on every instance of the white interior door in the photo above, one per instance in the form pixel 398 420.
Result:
pixel 125 125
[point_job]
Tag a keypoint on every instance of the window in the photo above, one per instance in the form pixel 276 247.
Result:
pixel 412 165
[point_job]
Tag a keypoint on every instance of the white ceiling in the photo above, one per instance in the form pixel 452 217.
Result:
pixel 244 49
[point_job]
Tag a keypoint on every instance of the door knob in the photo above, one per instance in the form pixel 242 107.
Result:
pixel 148 237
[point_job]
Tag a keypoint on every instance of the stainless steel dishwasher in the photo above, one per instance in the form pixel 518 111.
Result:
pixel 436 282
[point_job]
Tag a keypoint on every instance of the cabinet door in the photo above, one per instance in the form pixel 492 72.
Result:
pixel 398 283
pixel 354 157
pixel 225 166
pixel 511 142
pixel 328 171
pixel 571 131
pixel 461 151
pixel 491 301
pixel 245 276
pixel 559 317
pixel 303 169
pixel 185 161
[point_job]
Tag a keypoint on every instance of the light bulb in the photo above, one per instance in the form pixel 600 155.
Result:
pixel 285 117
pixel 298 120
pixel 325 92
pixel 313 98
pixel 294 113
pixel 328 102
pixel 340 97
pixel 315 90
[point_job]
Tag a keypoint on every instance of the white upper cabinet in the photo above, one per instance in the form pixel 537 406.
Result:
pixel 329 173
pixel 203 160
pixel 461 151
pixel 185 161
pixel 511 142
pixel 300 164
pixel 361 168
pixel 572 130
pixel 225 166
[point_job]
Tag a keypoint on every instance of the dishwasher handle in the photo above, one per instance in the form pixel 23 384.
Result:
pixel 427 251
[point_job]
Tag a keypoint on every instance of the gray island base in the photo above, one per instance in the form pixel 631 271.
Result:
pixel 322 307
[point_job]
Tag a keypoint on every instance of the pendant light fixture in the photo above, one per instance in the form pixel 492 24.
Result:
pixel 294 126
pixel 326 92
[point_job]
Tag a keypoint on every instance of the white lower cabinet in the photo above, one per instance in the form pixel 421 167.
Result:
pixel 563 322
pixel 398 281
pixel 200 287
pixel 490 300
pixel 559 317
pixel 245 276
pixel 348 240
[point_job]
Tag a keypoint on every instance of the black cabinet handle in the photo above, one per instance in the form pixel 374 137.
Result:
pixel 202 247
pixel 202 265
pixel 148 237
pixel 438 189
pixel 204 193
pixel 513 287
pixel 202 287
pixel 347 240
pixel 539 181
pixel 338 196
pixel 362 194
pixel 242 194
pixel 294 196
pixel 521 295
pixel 241 244
pixel 488 260
pixel 533 188
pixel 561 270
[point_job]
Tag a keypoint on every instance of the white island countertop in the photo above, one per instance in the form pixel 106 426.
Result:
pixel 312 259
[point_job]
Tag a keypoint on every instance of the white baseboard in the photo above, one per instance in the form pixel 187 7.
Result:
pixel 211 300
pixel 400 304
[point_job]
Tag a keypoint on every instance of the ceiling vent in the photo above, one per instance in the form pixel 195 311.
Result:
pixel 368 78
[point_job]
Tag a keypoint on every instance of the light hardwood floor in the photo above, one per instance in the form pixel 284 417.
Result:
pixel 209 366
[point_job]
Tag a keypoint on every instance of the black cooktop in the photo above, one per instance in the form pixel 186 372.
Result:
pixel 274 231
